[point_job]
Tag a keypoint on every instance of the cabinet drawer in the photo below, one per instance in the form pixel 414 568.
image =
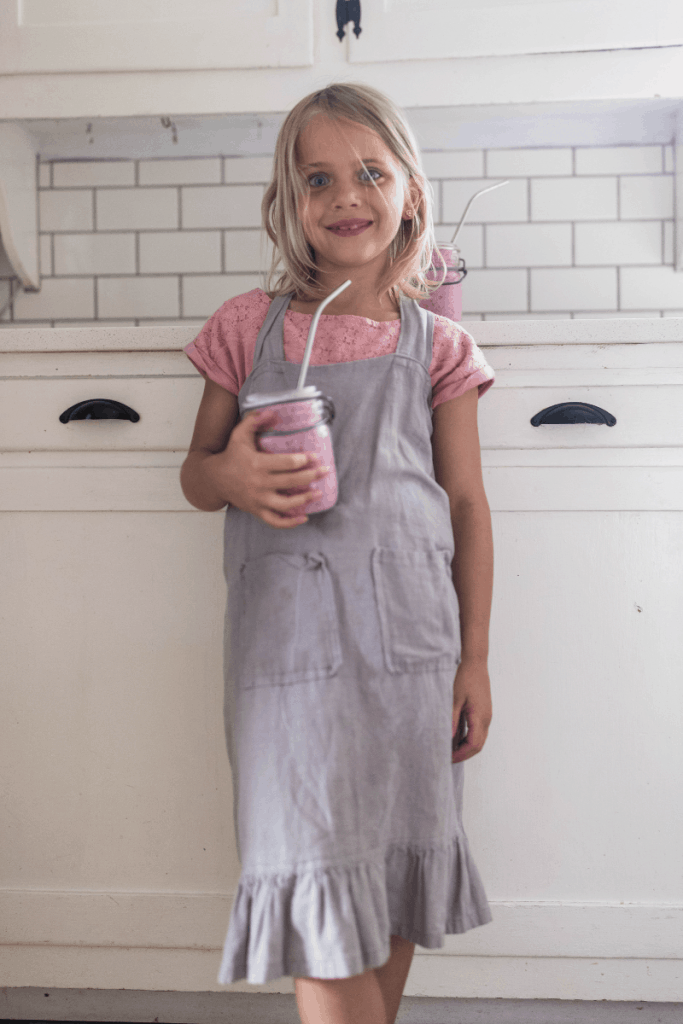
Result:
pixel 167 406
pixel 647 415
pixel 640 384
pixel 117 464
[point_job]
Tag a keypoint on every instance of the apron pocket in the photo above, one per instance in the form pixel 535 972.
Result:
pixel 418 609
pixel 288 629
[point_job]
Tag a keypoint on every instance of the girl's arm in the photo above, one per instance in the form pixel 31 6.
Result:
pixel 224 465
pixel 457 467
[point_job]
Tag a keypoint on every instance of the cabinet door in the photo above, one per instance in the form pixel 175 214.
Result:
pixel 432 29
pixel 153 35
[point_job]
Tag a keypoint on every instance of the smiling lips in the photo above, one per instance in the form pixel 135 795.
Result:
pixel 346 228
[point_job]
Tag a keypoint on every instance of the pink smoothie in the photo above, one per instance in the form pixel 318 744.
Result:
pixel 302 426
pixel 446 300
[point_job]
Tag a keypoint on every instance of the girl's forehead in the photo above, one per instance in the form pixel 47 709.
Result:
pixel 323 139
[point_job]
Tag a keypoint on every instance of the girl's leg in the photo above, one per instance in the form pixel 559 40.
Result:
pixel 369 998
pixel 355 1000
pixel 393 974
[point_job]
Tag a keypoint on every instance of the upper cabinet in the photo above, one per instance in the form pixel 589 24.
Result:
pixel 126 58
pixel 42 36
pixel 431 29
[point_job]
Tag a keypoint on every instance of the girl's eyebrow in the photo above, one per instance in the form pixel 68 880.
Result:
pixel 364 159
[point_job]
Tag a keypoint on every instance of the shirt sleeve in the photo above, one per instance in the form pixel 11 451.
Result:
pixel 458 363
pixel 224 348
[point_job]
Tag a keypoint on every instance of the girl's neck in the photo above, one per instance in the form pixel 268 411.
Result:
pixel 355 300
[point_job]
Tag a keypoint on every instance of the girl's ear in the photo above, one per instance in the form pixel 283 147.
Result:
pixel 411 201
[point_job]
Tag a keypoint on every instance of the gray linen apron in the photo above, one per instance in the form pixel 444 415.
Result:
pixel 342 639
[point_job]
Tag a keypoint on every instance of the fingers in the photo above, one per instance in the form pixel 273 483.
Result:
pixel 281 522
pixel 281 511
pixel 473 741
pixel 302 478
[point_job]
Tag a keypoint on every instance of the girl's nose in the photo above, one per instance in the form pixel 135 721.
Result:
pixel 346 194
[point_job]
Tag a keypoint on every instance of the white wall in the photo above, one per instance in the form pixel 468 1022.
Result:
pixel 580 231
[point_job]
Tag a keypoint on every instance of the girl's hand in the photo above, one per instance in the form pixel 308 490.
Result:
pixel 252 480
pixel 472 708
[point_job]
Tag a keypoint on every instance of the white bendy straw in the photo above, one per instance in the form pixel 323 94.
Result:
pixel 489 189
pixel 311 333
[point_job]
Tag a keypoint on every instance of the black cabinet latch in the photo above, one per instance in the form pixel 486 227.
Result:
pixel 348 10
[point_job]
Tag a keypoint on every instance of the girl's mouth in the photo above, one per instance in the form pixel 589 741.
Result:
pixel 347 228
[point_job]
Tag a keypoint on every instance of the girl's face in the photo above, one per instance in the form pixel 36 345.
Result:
pixel 351 213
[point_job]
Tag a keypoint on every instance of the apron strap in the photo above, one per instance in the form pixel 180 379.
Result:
pixel 270 340
pixel 417 332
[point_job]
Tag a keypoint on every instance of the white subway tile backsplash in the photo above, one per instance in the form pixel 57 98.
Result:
pixel 202 171
pixel 133 297
pixel 177 322
pixel 24 323
pixel 45 255
pixel 618 315
pixel 224 206
pixel 247 170
pixel 463 163
pixel 618 242
pixel 514 163
pixel 528 245
pixel 668 226
pixel 618 160
pixel 131 209
pixel 246 250
pixel 470 241
pixel 573 199
pixel 66 210
pixel 527 316
pixel 648 287
pixel 70 298
pixel 491 291
pixel 168 252
pixel 95 253
pixel 574 288
pixel 508 203
pixel 94 323
pixel 647 196
pixel 203 295
pixel 79 173
pixel 139 256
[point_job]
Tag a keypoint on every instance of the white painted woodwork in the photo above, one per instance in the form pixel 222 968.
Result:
pixel 19 204
pixel 678 192
pixel 120 861
pixel 612 122
pixel 44 36
pixel 423 29
pixel 647 72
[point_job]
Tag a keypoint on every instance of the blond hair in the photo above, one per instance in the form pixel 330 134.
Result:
pixel 293 266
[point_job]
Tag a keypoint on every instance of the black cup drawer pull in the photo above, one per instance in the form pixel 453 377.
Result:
pixel 99 409
pixel 573 412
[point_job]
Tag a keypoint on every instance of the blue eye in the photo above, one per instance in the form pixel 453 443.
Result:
pixel 315 182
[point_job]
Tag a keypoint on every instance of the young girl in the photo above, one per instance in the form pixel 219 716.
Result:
pixel 356 638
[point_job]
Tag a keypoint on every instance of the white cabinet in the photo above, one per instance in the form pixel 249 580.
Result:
pixel 424 29
pixel 119 860
pixel 123 58
pixel 127 35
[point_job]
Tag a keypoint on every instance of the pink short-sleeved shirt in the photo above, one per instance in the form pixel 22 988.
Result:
pixel 224 348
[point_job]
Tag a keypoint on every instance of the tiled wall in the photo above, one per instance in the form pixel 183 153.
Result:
pixel 578 232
